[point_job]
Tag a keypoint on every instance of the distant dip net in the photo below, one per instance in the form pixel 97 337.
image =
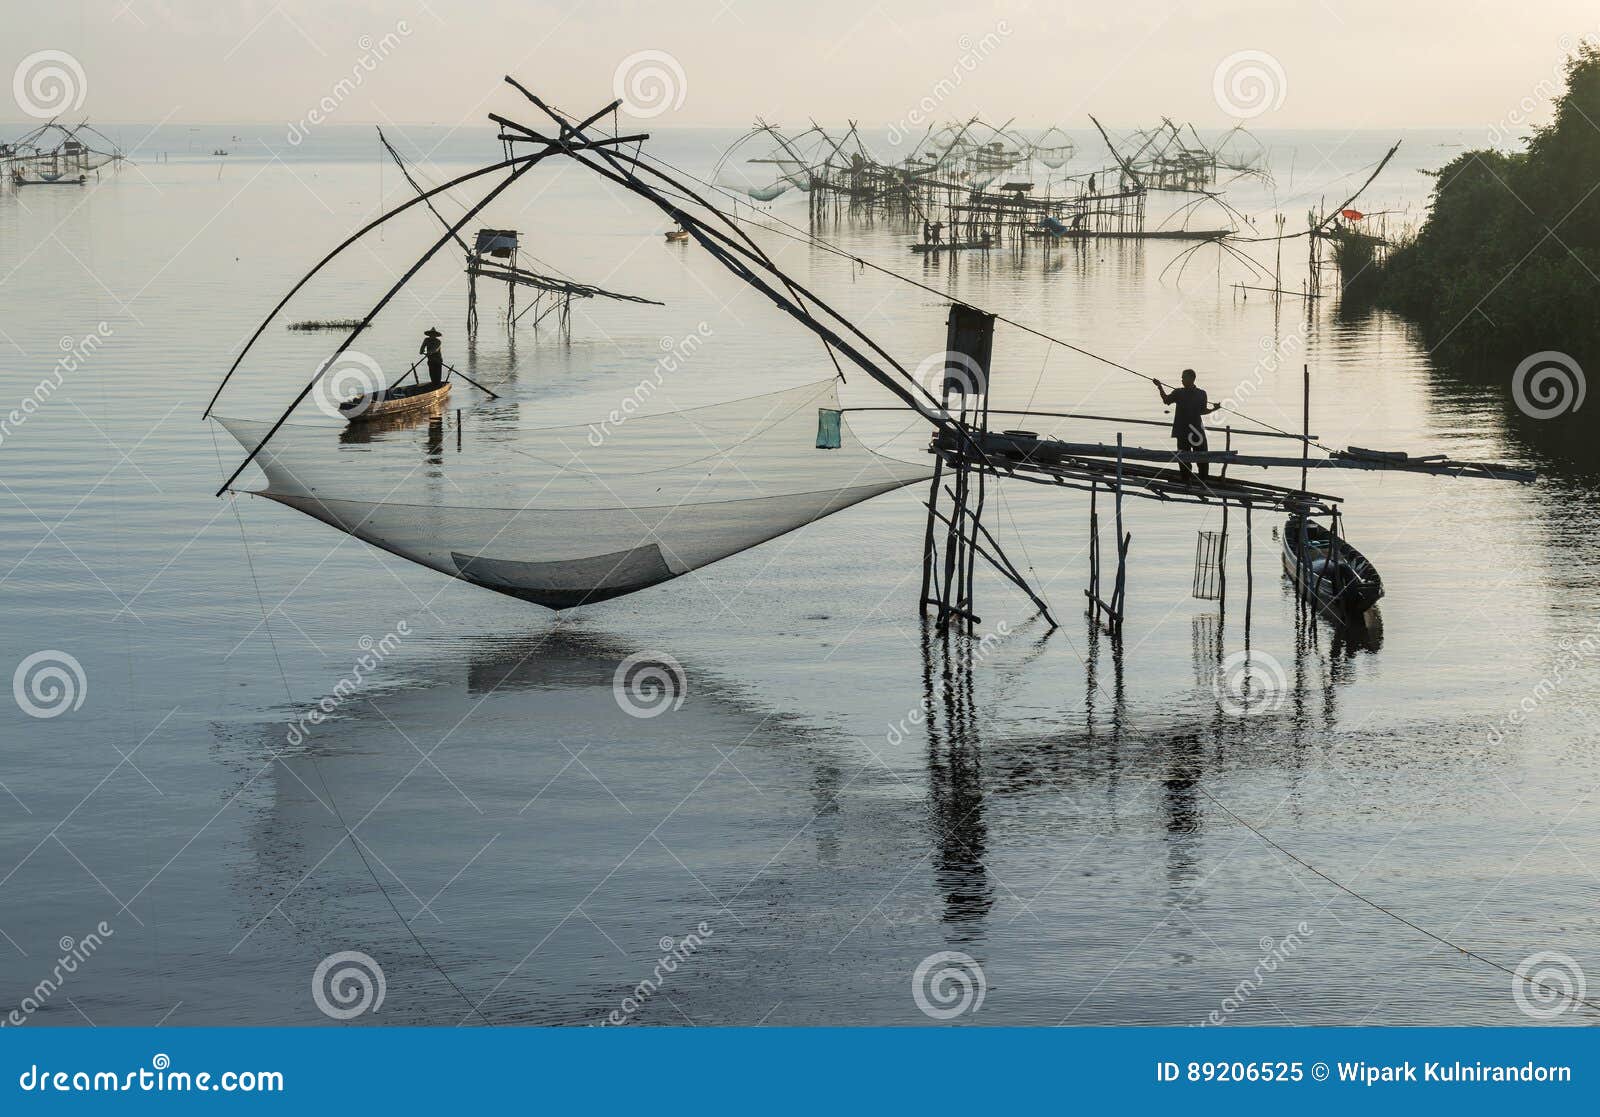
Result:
pixel 564 516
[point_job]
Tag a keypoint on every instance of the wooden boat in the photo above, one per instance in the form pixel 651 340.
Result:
pixel 925 247
pixel 1345 584
pixel 19 179
pixel 677 234
pixel 395 401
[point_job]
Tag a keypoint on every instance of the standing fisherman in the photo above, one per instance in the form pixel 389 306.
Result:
pixel 435 354
pixel 1188 405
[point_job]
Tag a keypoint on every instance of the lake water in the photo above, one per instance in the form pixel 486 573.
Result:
pixel 840 796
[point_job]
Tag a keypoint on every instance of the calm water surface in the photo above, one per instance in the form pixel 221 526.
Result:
pixel 838 796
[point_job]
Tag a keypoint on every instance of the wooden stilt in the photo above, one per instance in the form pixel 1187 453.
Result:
pixel 1305 425
pixel 1093 592
pixel 1119 592
pixel 1249 574
pixel 929 555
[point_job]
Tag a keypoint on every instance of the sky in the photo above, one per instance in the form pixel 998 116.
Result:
pixel 1283 64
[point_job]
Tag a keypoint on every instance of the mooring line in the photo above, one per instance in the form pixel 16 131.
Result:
pixel 1341 886
pixel 310 754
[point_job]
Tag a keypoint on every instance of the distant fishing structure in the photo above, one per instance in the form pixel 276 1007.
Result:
pixel 648 503
pixel 57 154
pixel 493 255
pixel 1167 159
pixel 977 186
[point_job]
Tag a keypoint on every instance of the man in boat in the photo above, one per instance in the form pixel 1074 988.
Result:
pixel 435 354
pixel 1188 405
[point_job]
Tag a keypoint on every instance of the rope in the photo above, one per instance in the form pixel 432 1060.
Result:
pixel 802 236
pixel 1341 886
pixel 266 623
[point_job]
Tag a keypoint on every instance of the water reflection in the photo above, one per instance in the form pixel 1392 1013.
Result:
pixel 955 782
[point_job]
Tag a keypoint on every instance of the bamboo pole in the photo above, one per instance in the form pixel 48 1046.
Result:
pixel 383 302
pixel 347 242
pixel 1305 424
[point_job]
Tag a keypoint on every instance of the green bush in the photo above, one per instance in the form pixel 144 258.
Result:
pixel 1508 261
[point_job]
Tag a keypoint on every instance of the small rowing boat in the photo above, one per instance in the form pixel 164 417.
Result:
pixel 1338 576
pixel 395 401
pixel 674 235
pixel 19 179
pixel 922 248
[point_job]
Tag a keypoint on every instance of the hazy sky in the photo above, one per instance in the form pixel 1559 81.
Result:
pixel 1323 63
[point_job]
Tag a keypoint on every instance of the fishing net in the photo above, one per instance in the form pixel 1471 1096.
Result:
pixel 1053 149
pixel 765 163
pixel 562 516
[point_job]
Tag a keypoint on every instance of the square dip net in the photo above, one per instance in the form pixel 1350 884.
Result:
pixel 564 516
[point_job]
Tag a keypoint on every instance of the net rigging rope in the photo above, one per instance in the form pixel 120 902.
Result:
pixel 806 237
pixel 793 232
pixel 310 754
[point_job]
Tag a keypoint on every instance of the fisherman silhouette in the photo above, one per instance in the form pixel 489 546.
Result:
pixel 435 354
pixel 1188 406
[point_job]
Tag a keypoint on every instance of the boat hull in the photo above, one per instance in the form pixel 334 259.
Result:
pixel 1348 588
pixel 396 402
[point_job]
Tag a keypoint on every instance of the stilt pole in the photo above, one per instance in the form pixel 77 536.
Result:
pixel 1305 424
pixel 1249 574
